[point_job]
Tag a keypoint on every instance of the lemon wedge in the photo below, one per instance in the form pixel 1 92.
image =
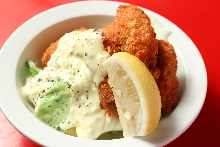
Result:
pixel 136 94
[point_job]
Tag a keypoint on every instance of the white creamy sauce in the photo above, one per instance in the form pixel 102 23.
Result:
pixel 77 60
pixel 161 30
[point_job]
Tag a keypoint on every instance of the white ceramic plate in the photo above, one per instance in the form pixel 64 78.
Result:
pixel 30 40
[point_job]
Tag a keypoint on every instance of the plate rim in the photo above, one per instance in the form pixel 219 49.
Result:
pixel 111 5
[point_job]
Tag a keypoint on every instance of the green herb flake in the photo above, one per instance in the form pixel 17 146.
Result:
pixel 39 80
pixel 96 29
pixel 58 128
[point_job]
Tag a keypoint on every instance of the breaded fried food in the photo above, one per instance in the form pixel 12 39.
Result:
pixel 132 32
pixel 167 82
pixel 107 98
pixel 49 51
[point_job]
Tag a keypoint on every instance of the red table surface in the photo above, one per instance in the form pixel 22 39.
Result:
pixel 199 19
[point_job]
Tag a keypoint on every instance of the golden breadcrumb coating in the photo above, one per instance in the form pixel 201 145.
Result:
pixel 132 32
pixel 167 82
pixel 49 51
pixel 107 98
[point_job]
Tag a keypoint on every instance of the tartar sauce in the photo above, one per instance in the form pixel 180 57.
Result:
pixel 77 61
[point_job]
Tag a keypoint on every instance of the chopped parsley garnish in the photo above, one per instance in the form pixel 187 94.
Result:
pixel 39 80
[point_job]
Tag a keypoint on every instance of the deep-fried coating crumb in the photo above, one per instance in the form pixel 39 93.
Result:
pixel 107 97
pixel 49 51
pixel 132 32
pixel 167 82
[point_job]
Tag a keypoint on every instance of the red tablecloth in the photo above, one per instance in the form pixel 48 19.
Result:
pixel 199 19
